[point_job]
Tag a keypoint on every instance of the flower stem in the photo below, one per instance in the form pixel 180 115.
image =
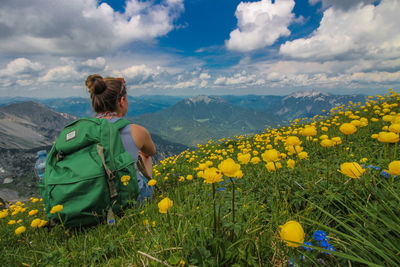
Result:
pixel 233 200
pixel 215 211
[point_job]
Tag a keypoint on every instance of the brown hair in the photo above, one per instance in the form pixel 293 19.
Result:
pixel 105 92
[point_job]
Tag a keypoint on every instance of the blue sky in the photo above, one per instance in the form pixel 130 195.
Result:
pixel 193 47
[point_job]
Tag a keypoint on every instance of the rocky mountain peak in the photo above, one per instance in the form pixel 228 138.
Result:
pixel 306 94
pixel 204 99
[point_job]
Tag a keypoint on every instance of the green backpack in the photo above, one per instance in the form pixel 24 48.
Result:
pixel 89 173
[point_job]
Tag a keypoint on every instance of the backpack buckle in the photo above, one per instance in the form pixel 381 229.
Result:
pixel 60 155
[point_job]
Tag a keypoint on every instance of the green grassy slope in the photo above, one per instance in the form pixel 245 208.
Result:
pixel 236 221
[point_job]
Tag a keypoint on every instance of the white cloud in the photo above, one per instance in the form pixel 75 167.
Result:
pixel 367 31
pixel 21 66
pixel 341 4
pixel 376 77
pixel 186 84
pixel 98 63
pixel 77 27
pixel 203 84
pixel 25 82
pixel 204 76
pixel 238 79
pixel 138 74
pixel 260 24
pixel 61 74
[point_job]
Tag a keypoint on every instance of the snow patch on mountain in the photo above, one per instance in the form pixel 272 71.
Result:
pixel 308 94
pixel 204 99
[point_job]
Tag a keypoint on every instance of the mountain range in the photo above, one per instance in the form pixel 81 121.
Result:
pixel 196 120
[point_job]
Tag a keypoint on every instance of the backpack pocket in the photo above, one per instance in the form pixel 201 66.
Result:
pixel 80 184
pixel 84 202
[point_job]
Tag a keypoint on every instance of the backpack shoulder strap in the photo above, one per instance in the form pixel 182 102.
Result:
pixel 120 123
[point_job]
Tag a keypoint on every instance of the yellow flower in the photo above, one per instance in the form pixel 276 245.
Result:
pixel 387 118
pixel 56 208
pixel 337 140
pixel 19 221
pixel 325 129
pixel 229 168
pixel 164 205
pixel 395 128
pixel 212 175
pixel 295 149
pixel 302 155
pixel 125 179
pixel 388 137
pixel 347 128
pixel 255 160
pixel 244 158
pixel 363 160
pixel 292 141
pixel 20 230
pixel 35 223
pixel 152 182
pixel 189 177
pixel 3 214
pixel 323 137
pixel 12 222
pixel 42 223
pixel 200 174
pixel 32 212
pixel 181 179
pixel 146 221
pixel 273 166
pixel 327 143
pixel 394 168
pixel 309 131
pixel 374 136
pixel 202 167
pixel 351 169
pixel 153 223
pixel 290 232
pixel 291 163
pixel 34 200
pixel 182 262
pixel 271 155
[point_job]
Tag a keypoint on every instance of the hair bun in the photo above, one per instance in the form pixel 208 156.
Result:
pixel 95 84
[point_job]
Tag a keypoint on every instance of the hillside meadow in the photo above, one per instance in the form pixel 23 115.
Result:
pixel 322 191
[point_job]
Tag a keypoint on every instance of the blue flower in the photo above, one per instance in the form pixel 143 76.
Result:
pixel 385 174
pixel 221 189
pixel 308 244
pixel 330 248
pixel 324 243
pixel 292 263
pixel 319 235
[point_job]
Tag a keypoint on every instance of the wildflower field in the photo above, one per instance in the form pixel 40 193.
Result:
pixel 321 191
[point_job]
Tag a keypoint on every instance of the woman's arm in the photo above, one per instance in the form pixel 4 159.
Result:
pixel 146 147
pixel 143 140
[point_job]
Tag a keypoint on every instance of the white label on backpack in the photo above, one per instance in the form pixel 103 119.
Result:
pixel 70 135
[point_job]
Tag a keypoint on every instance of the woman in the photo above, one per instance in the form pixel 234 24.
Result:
pixel 110 101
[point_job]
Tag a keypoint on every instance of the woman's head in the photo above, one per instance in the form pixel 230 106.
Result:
pixel 105 93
